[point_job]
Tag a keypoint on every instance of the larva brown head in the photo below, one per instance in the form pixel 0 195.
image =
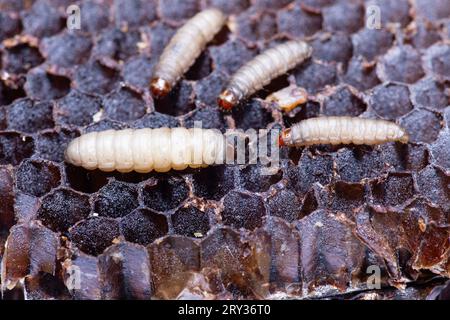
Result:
pixel 285 138
pixel 159 87
pixel 227 99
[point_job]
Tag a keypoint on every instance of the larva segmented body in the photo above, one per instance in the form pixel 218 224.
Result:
pixel 184 47
pixel 144 150
pixel 342 130
pixel 261 70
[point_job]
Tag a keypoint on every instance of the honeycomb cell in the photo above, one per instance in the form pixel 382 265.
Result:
pixel 51 144
pixel 137 72
pixel 230 6
pixel 210 118
pixel 143 226
pixel 342 196
pixel 392 11
pixel 371 43
pixel 252 115
pixel 134 13
pixel 28 116
pixel 227 63
pixel 297 22
pixel 159 34
pixel 273 4
pixel 439 9
pixel 21 58
pixel 434 185
pixel 9 25
pixel 257 26
pixel 7 96
pixel 15 147
pixel 391 101
pixel 97 13
pixel 402 64
pixel 42 20
pixel 344 16
pixel 116 199
pixel 360 74
pixel 423 34
pixel 284 204
pixel 429 94
pixel 179 101
pixel 213 182
pixel 208 89
pixel 62 208
pixel 76 108
pixel 440 150
pixel 421 125
pixel 190 221
pixel 88 277
pixel 314 76
pixel 67 49
pixel 95 78
pixel 201 67
pixel 179 9
pixel 41 85
pixel 335 47
pixel 124 105
pixel 156 120
pixel 116 44
pixel 168 193
pixel 37 177
pixel 243 210
pixel 394 190
pixel 437 61
pixel 83 180
pixel 343 103
pixel 353 165
pixel 253 179
pixel 94 235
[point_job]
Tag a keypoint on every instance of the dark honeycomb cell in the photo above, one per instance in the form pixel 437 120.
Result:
pixel 179 9
pixel 179 101
pixel 44 86
pixel 423 34
pixel 62 208
pixel 95 78
pixel 97 13
pixel 360 74
pixel 430 94
pixel 371 43
pixel 353 165
pixel 210 118
pixel 9 25
pixel 391 101
pixel 76 108
pixel 342 196
pixel 421 125
pixel 333 47
pixel 137 72
pixel 394 190
pixel 208 89
pixel 311 169
pixel 156 120
pixel 21 58
pixel 297 22
pixel 201 67
pixel 42 20
pixel 37 177
pixel 190 221
pixel 437 9
pixel 213 182
pixel 28 116
pixel 51 144
pixel 230 6
pixel 285 204
pixel 14 147
pixel 134 13
pixel 7 96
pixel 344 16
pixel 83 180
pixel 433 184
pixel 402 64
pixel 94 235
pixel 253 26
pixel 227 63
pixel 159 35
pixel 167 193
pixel 252 178
pixel 143 226
pixel 314 76
pixel 343 103
pixel 391 11
pixel 67 49
pixel 124 105
pixel 437 60
pixel 440 150
pixel 116 199
pixel 273 4
pixel 251 115
pixel 243 210
pixel 116 44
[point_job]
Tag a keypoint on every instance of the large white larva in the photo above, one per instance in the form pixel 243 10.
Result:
pixel 259 71
pixel 184 47
pixel 342 130
pixel 144 150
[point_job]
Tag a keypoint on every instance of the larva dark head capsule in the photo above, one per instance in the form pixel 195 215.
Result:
pixel 228 99
pixel 285 138
pixel 159 87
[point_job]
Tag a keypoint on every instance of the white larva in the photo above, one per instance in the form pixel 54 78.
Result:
pixel 261 70
pixel 342 130
pixel 184 47
pixel 144 150
pixel 288 98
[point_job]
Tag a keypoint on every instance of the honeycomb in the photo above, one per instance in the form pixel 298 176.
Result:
pixel 314 229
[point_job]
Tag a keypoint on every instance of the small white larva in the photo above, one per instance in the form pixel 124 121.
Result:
pixel 342 130
pixel 259 71
pixel 144 150
pixel 184 47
